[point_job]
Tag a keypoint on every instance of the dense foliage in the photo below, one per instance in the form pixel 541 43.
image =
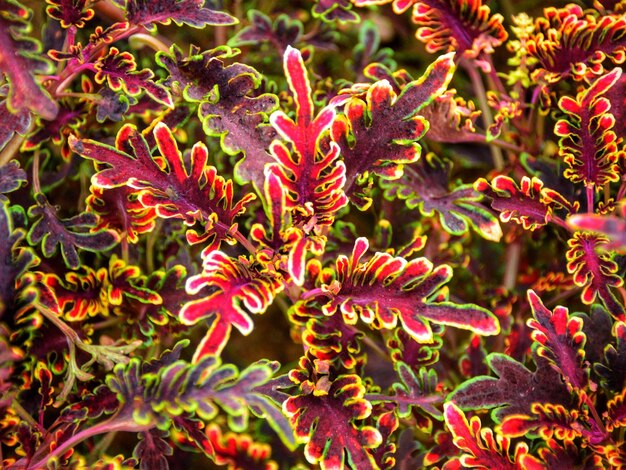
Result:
pixel 337 234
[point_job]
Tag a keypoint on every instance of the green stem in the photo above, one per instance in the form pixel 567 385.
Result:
pixel 13 146
pixel 513 253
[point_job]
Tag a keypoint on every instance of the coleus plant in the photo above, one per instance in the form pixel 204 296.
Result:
pixel 337 234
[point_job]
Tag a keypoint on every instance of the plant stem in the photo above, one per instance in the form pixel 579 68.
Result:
pixel 513 253
pixel 12 147
pixel 112 425
pixel 479 91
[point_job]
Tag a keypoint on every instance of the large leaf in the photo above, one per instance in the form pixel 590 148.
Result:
pixel 230 105
pixel 310 168
pixel 237 290
pixel 369 145
pixel 164 183
pixel 385 289
pixel 20 60
pixel 559 338
pixel 588 142
pixel 481 447
pixel 328 416
pixel 189 12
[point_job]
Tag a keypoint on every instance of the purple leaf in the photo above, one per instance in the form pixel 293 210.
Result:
pixel 119 70
pixel 530 204
pixel 19 60
pixel 13 122
pixel 368 143
pixel 514 390
pixel 188 12
pixel 69 12
pixel 11 178
pixel 14 260
pixel 425 185
pixel 464 26
pixel 327 420
pixel 231 107
pixel 595 271
pixel 559 338
pixel 588 142
pixel 69 234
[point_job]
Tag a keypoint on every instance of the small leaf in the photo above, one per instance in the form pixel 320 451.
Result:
pixel 119 70
pixel 588 141
pixel 595 272
pixel 559 338
pixel 11 178
pixel 69 234
pixel 69 12
pixel 480 447
pixel 530 204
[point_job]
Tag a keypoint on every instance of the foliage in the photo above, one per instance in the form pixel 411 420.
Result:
pixel 361 234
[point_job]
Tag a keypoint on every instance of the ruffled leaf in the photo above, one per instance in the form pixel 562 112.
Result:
pixel 588 142
pixel 464 26
pixel 335 10
pixel 20 60
pixel 547 420
pixel 328 421
pixel 239 450
pixel 237 291
pixel 310 168
pixel 480 446
pixel 559 338
pixel 119 70
pixel 530 204
pixel 369 145
pixel 69 12
pixel 385 289
pixel 612 370
pixel 425 185
pixel 69 234
pixel 595 271
pixel 188 12
pixel 164 183
pixel 569 42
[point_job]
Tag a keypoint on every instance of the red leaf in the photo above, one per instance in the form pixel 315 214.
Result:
pixel 237 291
